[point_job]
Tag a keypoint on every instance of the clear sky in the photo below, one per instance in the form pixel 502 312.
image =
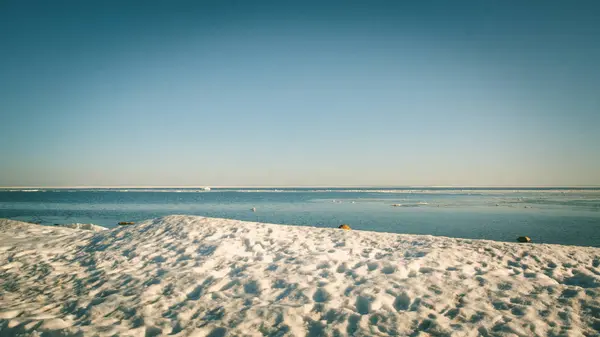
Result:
pixel 479 93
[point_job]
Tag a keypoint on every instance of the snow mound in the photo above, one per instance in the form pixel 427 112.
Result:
pixel 195 276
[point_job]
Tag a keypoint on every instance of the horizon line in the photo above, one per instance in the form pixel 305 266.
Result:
pixel 295 186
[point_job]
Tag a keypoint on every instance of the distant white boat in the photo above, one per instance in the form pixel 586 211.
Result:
pixel 206 188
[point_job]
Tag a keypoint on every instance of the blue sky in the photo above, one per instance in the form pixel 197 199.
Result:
pixel 463 93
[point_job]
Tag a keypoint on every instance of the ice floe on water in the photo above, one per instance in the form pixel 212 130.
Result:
pixel 85 226
pixel 196 276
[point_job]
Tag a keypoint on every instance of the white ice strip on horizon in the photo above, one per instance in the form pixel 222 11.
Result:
pixel 195 276
pixel 473 192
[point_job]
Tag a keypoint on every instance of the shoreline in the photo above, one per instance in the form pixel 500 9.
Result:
pixel 95 228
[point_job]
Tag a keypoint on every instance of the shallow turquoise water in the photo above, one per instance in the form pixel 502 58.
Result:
pixel 564 216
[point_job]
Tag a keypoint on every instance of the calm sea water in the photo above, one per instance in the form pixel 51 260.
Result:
pixel 564 216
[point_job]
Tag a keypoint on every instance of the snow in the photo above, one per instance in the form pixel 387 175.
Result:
pixel 195 276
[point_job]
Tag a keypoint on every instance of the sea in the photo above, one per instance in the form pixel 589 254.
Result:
pixel 569 216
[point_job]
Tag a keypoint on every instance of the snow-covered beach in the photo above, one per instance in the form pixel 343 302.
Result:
pixel 195 276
